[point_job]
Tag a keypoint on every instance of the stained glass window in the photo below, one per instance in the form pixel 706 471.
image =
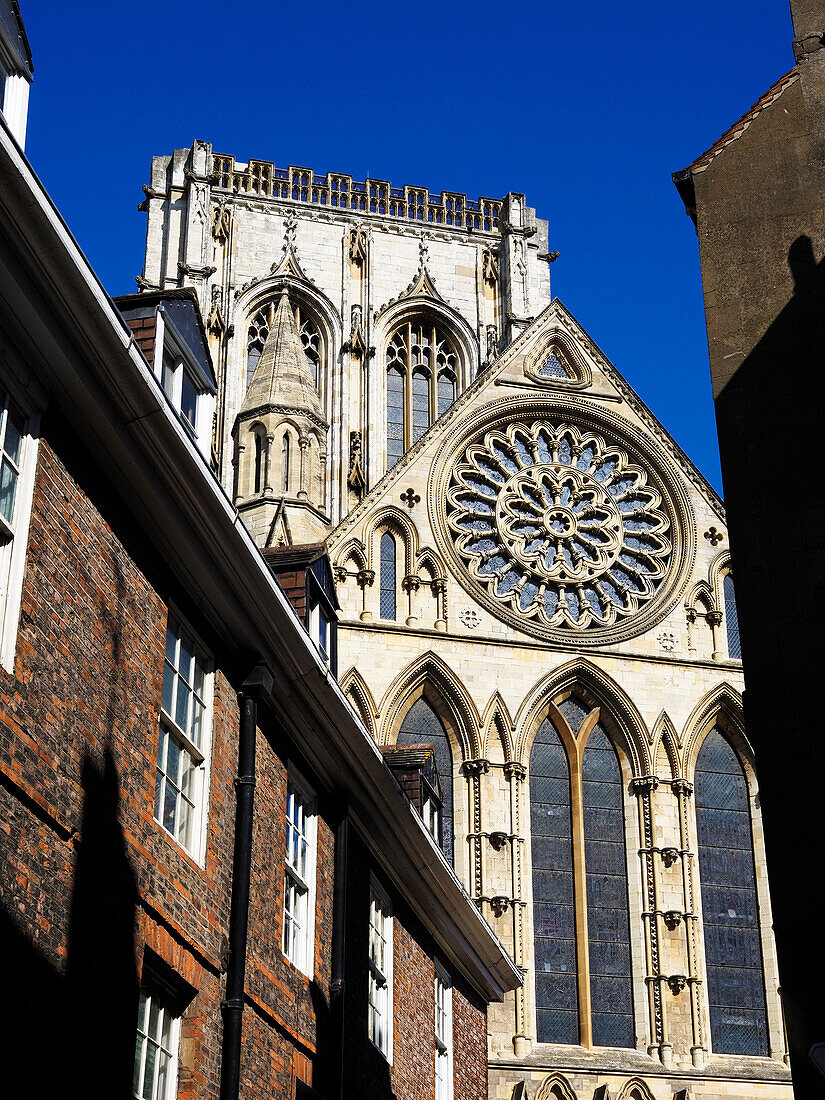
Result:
pixel 387 590
pixel 608 929
pixel 422 725
pixel 554 927
pixel 553 367
pixel 420 404
pixel 395 415
pixel 731 618
pixel 446 391
pixel 730 909
pixel 422 368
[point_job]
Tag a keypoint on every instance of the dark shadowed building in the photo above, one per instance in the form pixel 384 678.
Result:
pixel 756 199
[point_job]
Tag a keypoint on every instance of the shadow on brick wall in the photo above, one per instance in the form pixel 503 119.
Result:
pixel 72 1033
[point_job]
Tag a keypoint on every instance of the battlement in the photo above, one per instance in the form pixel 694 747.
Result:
pixel 379 197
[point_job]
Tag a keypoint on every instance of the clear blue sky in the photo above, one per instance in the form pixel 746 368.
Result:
pixel 586 107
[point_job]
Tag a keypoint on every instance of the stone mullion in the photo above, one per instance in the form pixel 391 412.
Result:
pixel 580 901
pixel 408 387
pixel 643 789
pixel 515 774
pixel 683 790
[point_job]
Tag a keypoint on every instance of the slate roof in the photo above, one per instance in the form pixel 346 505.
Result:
pixel 15 33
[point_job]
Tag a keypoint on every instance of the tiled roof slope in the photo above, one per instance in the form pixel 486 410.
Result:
pixel 743 123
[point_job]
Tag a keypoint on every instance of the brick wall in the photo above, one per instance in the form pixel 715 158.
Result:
pixel 94 890
pixel 412 1073
pixel 95 893
pixel 145 330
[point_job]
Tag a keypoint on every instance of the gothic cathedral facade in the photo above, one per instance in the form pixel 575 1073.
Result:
pixel 533 578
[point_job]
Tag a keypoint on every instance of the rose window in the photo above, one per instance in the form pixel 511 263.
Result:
pixel 558 525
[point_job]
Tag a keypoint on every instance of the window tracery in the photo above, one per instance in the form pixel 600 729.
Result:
pixel 560 527
pixel 422 371
pixel 730 907
pixel 308 330
pixel 596 832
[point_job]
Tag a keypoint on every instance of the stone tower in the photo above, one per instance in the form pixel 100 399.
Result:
pixel 534 580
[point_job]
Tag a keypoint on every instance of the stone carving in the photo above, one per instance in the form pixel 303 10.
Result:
pixel 356 344
pixel 669 856
pixel 672 919
pixel 492 343
pixel 411 498
pixel 677 983
pixel 499 904
pixel 666 640
pixel 358 245
pixel 713 536
pixel 222 223
pixel 355 475
pixel 215 323
pixel 489 265
pixel 558 526
pixel 470 617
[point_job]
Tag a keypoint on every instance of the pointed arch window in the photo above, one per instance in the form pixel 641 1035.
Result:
pixel 422 725
pixel 554 920
pixel 730 907
pixel 259 461
pixel 422 366
pixel 731 618
pixel 608 926
pixel 387 594
pixel 308 329
pixel 580 863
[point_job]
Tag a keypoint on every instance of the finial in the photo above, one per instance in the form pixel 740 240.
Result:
pixel 285 291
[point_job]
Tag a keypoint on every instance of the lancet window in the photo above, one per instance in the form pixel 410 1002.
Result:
pixel 422 725
pixel 422 376
pixel 388 577
pixel 308 330
pixel 580 869
pixel 731 617
pixel 730 907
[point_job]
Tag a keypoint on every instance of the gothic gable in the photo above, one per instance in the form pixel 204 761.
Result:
pixel 555 499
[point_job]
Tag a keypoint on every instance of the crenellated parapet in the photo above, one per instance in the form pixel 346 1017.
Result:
pixel 342 192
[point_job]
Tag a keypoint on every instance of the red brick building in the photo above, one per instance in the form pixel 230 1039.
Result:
pixel 211 881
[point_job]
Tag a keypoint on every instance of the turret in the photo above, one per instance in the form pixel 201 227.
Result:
pixel 281 442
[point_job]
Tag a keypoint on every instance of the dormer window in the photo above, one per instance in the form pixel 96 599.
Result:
pixel 183 379
pixel 168 329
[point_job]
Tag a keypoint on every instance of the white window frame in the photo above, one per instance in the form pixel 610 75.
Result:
pixel 380 1007
pixel 169 342
pixel 14 534
pixel 154 999
pixel 443 1026
pixel 301 821
pixel 317 613
pixel 170 729
pixel 431 811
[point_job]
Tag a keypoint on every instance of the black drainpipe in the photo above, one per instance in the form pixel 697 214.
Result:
pixel 232 1005
pixel 339 943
